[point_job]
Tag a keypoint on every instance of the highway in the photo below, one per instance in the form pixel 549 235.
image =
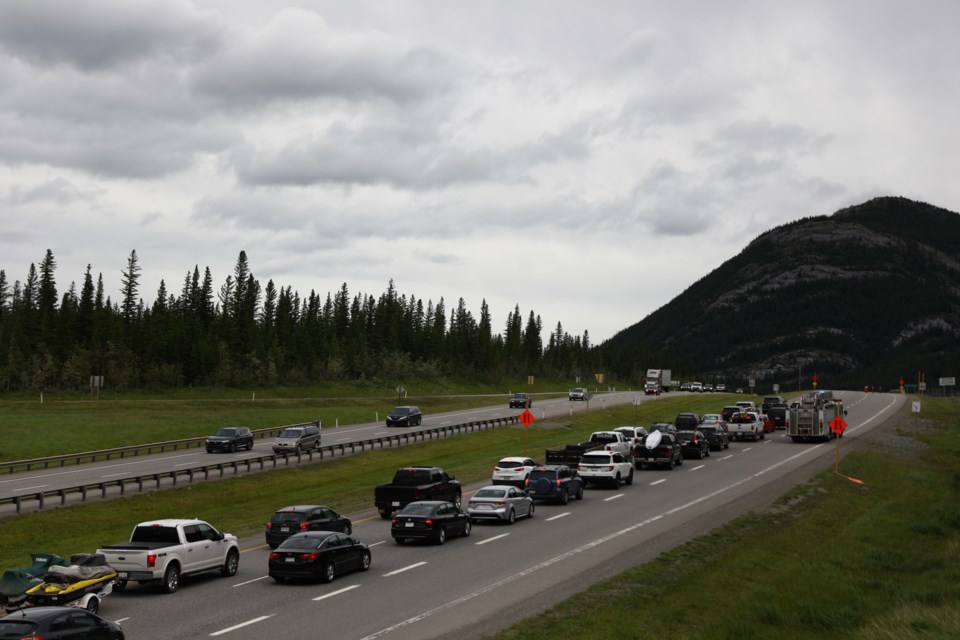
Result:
pixel 474 586
pixel 25 482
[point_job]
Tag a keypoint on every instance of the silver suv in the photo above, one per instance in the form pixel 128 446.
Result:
pixel 580 393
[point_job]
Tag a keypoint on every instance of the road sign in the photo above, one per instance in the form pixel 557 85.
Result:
pixel 944 382
pixel 837 425
pixel 526 418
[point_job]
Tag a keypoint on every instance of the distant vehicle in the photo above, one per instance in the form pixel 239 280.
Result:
pixel 304 517
pixel 58 623
pixel 684 386
pixel 405 416
pixel 721 388
pixel 603 440
pixel 633 435
pixel 521 401
pixel 811 418
pixel 651 389
pixel 606 467
pixel 739 389
pixel 746 405
pixel 746 425
pixel 653 383
pixel 557 483
pixel 230 439
pixel 780 416
pixel 687 421
pixel 500 503
pixel 297 439
pixel 666 427
pixel 772 401
pixel 708 388
pixel 433 520
pixel 696 387
pixel 729 410
pixel 579 394
pixel 693 444
pixel 513 471
pixel 711 417
pixel 318 554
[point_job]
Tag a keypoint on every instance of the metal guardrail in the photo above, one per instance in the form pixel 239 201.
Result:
pixel 134 449
pixel 118 487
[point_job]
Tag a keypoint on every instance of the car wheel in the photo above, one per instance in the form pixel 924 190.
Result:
pixel 442 535
pixel 365 561
pixel 329 572
pixel 297 450
pixel 530 513
pixel 630 478
pixel 400 540
pixel 680 461
pixel 580 493
pixel 467 527
pixel 278 578
pixel 171 578
pixel 616 482
pixel 229 567
pixel 699 454
pixel 565 498
pixel 119 586
pixel 511 517
pixel 707 453
pixel 386 514
pixel 93 605
pixel 638 465
pixel 233 447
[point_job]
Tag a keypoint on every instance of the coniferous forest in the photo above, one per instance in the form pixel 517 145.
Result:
pixel 237 332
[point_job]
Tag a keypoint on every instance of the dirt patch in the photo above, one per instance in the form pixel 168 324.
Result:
pixel 899 438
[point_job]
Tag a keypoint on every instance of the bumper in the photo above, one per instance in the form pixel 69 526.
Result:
pixel 487 514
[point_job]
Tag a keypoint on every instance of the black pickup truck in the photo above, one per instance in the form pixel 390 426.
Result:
pixel 412 484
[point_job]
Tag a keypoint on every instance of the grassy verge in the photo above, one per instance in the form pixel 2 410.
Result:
pixel 832 559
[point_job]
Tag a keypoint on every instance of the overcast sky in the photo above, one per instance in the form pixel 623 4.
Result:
pixel 585 160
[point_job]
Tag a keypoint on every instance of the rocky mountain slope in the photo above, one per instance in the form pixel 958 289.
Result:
pixel 862 297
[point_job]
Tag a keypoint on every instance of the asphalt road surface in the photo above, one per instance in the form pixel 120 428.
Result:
pixel 500 574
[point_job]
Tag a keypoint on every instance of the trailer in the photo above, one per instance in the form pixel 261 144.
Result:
pixel 810 418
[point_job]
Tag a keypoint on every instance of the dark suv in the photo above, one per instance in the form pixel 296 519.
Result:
pixel 230 439
pixel 666 452
pixel 554 482
pixel 772 401
pixel 686 421
pixel 693 443
pixel 521 401
pixel 304 517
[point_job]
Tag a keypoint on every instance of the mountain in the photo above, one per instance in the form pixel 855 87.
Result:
pixel 861 297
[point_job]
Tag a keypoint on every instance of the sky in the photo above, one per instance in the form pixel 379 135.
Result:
pixel 584 161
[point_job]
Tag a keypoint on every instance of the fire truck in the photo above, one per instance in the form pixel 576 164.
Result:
pixel 810 418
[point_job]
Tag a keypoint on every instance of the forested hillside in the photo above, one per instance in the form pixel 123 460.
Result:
pixel 862 297
pixel 241 333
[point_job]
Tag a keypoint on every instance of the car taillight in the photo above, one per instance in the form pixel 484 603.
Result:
pixel 428 522
pixel 308 556
pixel 499 503
pixel 274 556
pixel 394 521
pixel 610 468
pixel 304 526
pixel 152 560
pixel 558 482
pixel 526 481
pixel 269 526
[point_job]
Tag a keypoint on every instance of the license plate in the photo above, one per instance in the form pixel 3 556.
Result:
pixel 408 524
pixel 121 574
pixel 395 504
pixel 284 529
pixel 288 560
pixel 484 506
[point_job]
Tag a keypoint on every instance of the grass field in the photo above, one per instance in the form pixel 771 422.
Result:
pixel 831 559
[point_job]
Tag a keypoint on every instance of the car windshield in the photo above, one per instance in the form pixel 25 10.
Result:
pixel 400 411
pixel 301 542
pixel 227 431
pixel 595 459
pixel 509 464
pixel 418 510
pixel 491 493
pixel 291 433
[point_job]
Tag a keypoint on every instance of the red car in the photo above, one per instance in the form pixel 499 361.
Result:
pixel 769 425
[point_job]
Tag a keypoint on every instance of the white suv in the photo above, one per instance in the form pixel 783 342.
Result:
pixel 513 471
pixel 607 467
pixel 580 393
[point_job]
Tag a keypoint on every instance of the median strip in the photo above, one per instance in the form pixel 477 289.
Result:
pixel 241 625
pixel 412 566
pixel 619 495
pixel 557 517
pixel 335 593
pixel 502 535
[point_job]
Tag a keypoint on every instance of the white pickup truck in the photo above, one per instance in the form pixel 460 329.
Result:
pixel 161 551
pixel 607 467
pixel 745 425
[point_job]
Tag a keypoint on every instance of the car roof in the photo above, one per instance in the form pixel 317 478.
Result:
pixel 503 487
pixel 322 535
pixel 36 613
pixel 514 459
pixel 171 522
pixel 429 502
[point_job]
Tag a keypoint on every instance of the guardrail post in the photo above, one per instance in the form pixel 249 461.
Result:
pixel 123 486
pixel 83 496
pixel 156 476
pixel 103 490
pixel 140 484
pixel 16 501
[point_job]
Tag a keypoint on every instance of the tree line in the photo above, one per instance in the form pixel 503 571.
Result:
pixel 244 334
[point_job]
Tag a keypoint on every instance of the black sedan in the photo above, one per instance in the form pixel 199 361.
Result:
pixel 304 517
pixel 230 439
pixel 429 519
pixel 406 416
pixel 693 444
pixel 716 433
pixel 318 554
pixel 56 623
